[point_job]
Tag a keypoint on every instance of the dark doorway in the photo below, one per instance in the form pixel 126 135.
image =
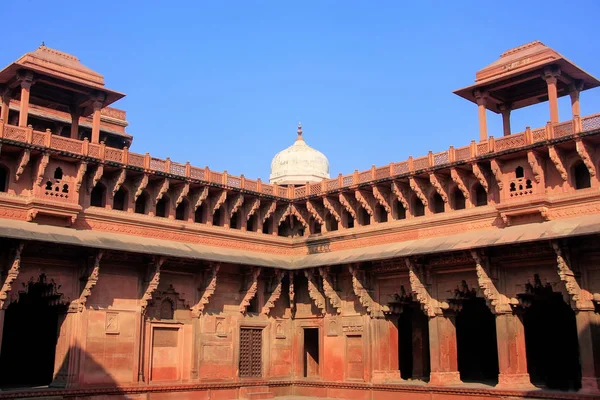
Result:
pixel 413 343
pixel 30 335
pixel 476 342
pixel 551 340
pixel 3 179
pixel 311 352
pixel 582 176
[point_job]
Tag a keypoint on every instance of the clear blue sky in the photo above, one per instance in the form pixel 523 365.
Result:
pixel 224 83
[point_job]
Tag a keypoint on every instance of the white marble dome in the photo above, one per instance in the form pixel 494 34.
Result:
pixel 299 164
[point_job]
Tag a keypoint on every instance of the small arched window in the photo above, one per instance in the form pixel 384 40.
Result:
pixel 519 172
pixel 3 178
pixel 97 196
pixel 418 207
pixel 582 176
pixel 141 203
pixel 459 200
pixel 181 210
pixel 162 208
pixel 480 196
pixel 438 204
pixel 120 200
pixel 58 173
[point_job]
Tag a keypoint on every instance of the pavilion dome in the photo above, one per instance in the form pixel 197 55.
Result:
pixel 299 164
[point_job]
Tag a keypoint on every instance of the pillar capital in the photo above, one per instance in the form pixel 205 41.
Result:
pixel 576 87
pixel 551 75
pixel 25 79
pixel 481 96
pixel 98 101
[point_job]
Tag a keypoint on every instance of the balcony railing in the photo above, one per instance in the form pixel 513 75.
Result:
pixel 151 164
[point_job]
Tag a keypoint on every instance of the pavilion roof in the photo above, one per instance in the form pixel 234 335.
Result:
pixel 515 78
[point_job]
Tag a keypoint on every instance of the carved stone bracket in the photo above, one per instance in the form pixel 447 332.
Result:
pixel 350 204
pixel 418 190
pixel 585 153
pixel 275 294
pixel 96 177
pixel 419 287
pixel 81 170
pixel 558 161
pixel 22 163
pixel 267 210
pixel 215 203
pixel 439 185
pixel 314 293
pixel 382 196
pixel 119 180
pixel 366 200
pixel 316 211
pixel 12 275
pixel 334 207
pixel 185 190
pixel 496 167
pixel 207 292
pixel 235 204
pixel 251 290
pixel 250 208
pixel 78 305
pixel 329 290
pixel 200 197
pixel 497 302
pixel 164 187
pixel 480 175
pixel 401 193
pixel 364 297
pixel 536 166
pixel 581 299
pixel 153 280
pixel 460 180
pixel 42 163
pixel 141 185
pixel 299 213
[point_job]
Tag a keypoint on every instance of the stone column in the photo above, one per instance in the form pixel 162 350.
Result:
pixel 551 78
pixel 97 103
pixel 505 110
pixel 26 80
pixel 481 98
pixel 512 355
pixel 75 114
pixel 574 90
pixel 443 350
pixel 5 94
pixel 420 353
pixel 588 333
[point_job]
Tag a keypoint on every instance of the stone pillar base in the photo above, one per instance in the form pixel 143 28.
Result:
pixel 517 381
pixel 386 376
pixel 444 378
pixel 590 385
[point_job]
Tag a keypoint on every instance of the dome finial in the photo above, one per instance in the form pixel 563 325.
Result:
pixel 299 131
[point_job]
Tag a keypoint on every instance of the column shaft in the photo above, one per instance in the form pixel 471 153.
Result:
pixel 24 108
pixel 588 332
pixel 443 351
pixel 512 355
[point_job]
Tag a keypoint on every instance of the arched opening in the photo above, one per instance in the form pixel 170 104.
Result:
pixel 519 173
pixel 331 223
pixel 399 210
pixel 476 341
pixel 438 203
pixel 141 204
pixel 267 226
pixel 364 217
pixel 418 207
pixel 582 176
pixel 413 342
pixel 315 226
pixel 182 210
pixel 120 200
pixel 459 200
pixel 3 178
pixel 481 198
pixel 58 173
pixel 290 227
pixel 216 219
pixel 162 207
pixel 166 309
pixel 380 213
pixel 30 334
pixel 549 323
pixel 349 219
pixel 251 223
pixel 233 222
pixel 200 215
pixel 98 196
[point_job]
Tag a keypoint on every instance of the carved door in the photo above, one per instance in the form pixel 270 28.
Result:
pixel 250 352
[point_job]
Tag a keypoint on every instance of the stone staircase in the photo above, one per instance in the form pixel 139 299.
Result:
pixel 256 393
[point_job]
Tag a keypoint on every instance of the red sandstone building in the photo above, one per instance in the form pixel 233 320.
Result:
pixel 469 273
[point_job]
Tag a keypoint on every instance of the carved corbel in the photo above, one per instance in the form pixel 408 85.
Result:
pixel 350 204
pixel 96 177
pixel 275 294
pixel 581 299
pixel 401 194
pixel 329 290
pixel 42 163
pixel 366 200
pixel 460 180
pixel 78 305
pixel 382 196
pixel 251 290
pixel 419 287
pixel 200 197
pixel 267 210
pixel 480 175
pixel 81 170
pixel 185 189
pixel 119 181
pixel 141 185
pixel 334 207
pixel 164 187
pixel 314 293
pixel 585 153
pixel 316 211
pixel 497 302
pixel 300 214
pixel 153 280
pixel 292 293
pixel 234 204
pixel 11 276
pixel 248 210
pixel 536 166
pixel 362 293
pixel 22 163
pixel 419 191
pixel 558 161
pixel 496 167
pixel 214 204
pixel 439 185
pixel 207 291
